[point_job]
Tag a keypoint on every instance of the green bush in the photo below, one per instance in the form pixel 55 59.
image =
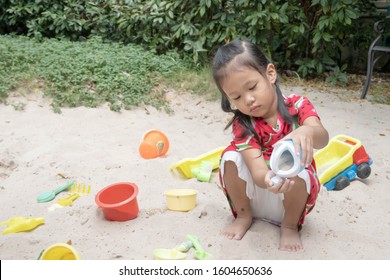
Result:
pixel 303 36
pixel 57 18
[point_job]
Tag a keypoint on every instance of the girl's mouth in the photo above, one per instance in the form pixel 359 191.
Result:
pixel 255 108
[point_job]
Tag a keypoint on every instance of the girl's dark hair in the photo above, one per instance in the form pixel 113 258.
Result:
pixel 244 53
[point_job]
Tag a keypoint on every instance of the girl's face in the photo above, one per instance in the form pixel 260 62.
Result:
pixel 250 92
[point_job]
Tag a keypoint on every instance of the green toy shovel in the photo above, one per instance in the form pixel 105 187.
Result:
pixel 200 254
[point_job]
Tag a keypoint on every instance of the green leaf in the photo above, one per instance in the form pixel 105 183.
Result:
pixel 315 2
pixel 320 68
pixel 254 21
pixel 317 38
pixel 340 15
pixel 351 14
pixel 248 18
pixel 274 16
pixel 302 29
pixel 327 37
pixel 328 61
pixel 216 37
pixel 202 11
pixel 284 7
pixel 311 64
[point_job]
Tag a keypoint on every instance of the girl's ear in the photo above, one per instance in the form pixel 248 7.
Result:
pixel 271 73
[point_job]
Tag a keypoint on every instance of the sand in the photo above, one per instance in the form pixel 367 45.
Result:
pixel 41 150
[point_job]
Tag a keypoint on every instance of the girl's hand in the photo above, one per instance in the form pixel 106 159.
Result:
pixel 303 143
pixel 311 135
pixel 282 187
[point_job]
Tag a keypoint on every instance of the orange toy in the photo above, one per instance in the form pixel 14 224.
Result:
pixel 154 144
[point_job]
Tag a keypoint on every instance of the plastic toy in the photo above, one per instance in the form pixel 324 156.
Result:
pixel 203 173
pixel 184 247
pixel 187 165
pixel 118 201
pixel 68 201
pixel 177 253
pixel 18 224
pixel 181 199
pixel 59 251
pixel 80 189
pixel 284 161
pixel 200 254
pixel 168 254
pixel 154 144
pixel 50 195
pixel 341 161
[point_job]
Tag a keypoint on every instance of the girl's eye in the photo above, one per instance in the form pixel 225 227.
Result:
pixel 253 87
pixel 236 98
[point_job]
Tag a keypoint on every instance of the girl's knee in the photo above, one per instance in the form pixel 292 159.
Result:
pixel 231 176
pixel 299 189
pixel 230 171
pixel 230 166
pixel 299 182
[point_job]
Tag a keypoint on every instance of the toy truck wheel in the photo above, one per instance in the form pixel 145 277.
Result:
pixel 363 170
pixel 341 183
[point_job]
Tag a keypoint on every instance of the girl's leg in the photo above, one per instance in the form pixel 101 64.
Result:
pixel 294 205
pixel 236 189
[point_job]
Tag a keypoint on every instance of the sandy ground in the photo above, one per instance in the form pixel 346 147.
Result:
pixel 41 150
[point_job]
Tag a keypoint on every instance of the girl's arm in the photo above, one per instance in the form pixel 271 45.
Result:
pixel 310 135
pixel 256 165
pixel 259 170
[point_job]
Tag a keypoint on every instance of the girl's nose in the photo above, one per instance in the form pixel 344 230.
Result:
pixel 250 99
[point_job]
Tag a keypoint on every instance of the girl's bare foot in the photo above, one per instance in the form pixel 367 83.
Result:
pixel 290 240
pixel 238 228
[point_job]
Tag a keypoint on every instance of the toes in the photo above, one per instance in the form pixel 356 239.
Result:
pixel 291 248
pixel 227 234
pixel 232 235
pixel 237 237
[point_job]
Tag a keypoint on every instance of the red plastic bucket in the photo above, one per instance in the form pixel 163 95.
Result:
pixel 118 201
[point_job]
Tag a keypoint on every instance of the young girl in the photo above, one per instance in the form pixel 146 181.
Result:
pixel 263 116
